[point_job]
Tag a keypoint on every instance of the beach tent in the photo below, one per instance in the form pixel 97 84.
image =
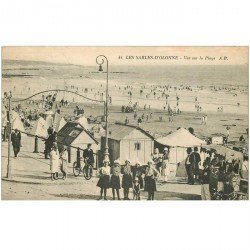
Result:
pixel 40 128
pixel 178 142
pixel 49 120
pixel 17 124
pixel 181 138
pixel 59 123
pixel 82 121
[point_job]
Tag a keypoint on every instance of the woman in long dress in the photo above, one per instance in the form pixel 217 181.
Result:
pixel 104 180
pixel 127 181
pixel 150 180
pixel 54 162
pixel 115 182
pixel 64 162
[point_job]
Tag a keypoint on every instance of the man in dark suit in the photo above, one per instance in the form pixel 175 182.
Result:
pixel 88 154
pixel 16 141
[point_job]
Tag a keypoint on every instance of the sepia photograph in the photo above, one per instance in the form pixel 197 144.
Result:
pixel 125 123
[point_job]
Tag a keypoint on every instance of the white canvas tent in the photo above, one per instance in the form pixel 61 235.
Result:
pixel 59 123
pixel 17 124
pixel 40 128
pixel 178 142
pixel 82 120
pixel 181 138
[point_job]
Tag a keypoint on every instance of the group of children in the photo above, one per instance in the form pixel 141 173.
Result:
pixel 136 177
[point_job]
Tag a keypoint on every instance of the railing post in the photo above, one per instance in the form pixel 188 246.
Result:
pixel 69 154
pixel 36 145
pixel 4 133
pixel 78 156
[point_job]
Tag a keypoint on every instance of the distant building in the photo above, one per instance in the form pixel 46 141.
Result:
pixel 74 134
pixel 128 142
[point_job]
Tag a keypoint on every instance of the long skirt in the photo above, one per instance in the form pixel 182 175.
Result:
pixel 150 184
pixel 104 182
pixel 127 181
pixel 115 182
pixel 64 166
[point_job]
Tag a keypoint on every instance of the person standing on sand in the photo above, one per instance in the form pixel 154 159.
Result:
pixel 115 179
pixel 64 162
pixel 127 181
pixel 150 180
pixel 189 169
pixel 104 180
pixel 54 162
pixel 195 160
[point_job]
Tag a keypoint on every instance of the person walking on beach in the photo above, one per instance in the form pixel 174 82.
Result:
pixel 64 162
pixel 127 181
pixel 104 180
pixel 115 183
pixel 16 142
pixel 54 162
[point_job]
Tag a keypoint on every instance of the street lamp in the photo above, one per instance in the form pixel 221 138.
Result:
pixel 9 129
pixel 100 61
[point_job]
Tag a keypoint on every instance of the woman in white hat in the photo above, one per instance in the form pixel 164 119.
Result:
pixel 104 180
pixel 115 179
pixel 150 175
pixel 127 181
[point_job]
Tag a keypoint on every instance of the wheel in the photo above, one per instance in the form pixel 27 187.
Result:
pixel 55 176
pixel 76 169
pixel 88 172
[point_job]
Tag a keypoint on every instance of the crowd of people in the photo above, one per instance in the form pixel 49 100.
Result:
pixel 219 177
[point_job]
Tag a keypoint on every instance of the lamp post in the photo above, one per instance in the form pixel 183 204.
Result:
pixel 9 129
pixel 100 61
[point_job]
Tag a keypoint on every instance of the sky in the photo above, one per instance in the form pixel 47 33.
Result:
pixel 131 55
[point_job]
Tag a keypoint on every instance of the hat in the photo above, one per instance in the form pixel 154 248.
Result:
pixel 105 160
pixel 165 149
pixel 117 162
pixel 136 179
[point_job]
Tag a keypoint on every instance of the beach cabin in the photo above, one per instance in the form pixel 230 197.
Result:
pixel 128 142
pixel 177 143
pixel 73 134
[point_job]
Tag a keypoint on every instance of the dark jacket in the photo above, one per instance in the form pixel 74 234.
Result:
pixel 88 153
pixel 195 158
pixel 16 139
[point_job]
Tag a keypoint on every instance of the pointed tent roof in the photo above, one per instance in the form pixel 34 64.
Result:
pixel 17 124
pixel 60 124
pixel 82 120
pixel 180 138
pixel 40 128
pixel 70 131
